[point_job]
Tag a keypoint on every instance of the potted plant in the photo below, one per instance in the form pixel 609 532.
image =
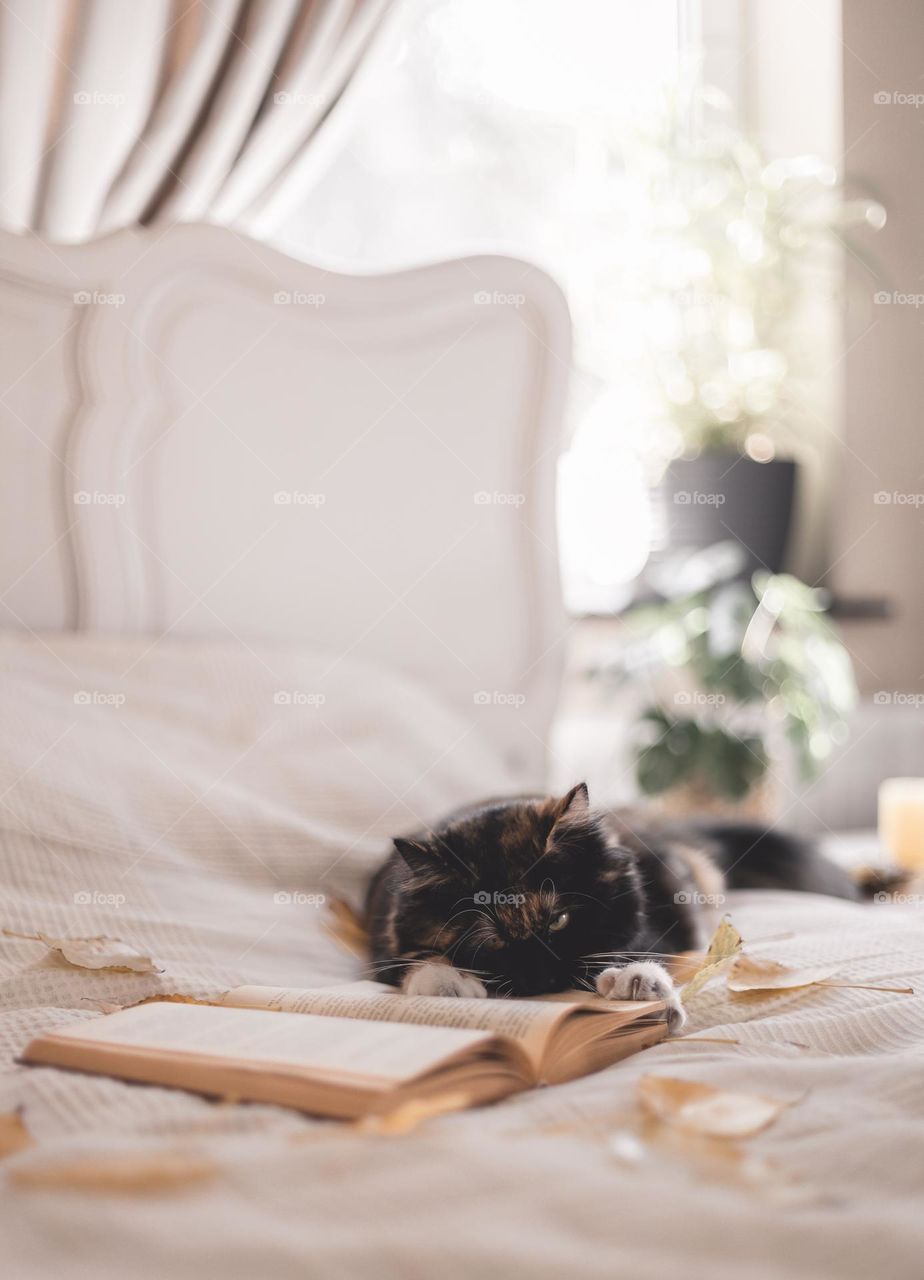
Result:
pixel 736 665
pixel 735 240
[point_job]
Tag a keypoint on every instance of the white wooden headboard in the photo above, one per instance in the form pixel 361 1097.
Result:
pixel 205 437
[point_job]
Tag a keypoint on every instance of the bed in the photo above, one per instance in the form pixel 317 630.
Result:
pixel 243 646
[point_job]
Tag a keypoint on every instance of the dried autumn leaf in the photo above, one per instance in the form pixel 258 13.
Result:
pixel 102 1006
pixel 129 1173
pixel 163 998
pixel 724 1162
pixel 684 965
pixel 14 1136
pixel 346 928
pixel 410 1115
pixel 725 945
pixel 751 973
pixel 699 1108
pixel 94 953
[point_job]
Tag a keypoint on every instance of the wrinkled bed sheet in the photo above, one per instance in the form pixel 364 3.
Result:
pixel 169 796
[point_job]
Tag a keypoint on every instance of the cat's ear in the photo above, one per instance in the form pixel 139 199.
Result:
pixel 572 824
pixel 419 855
pixel 576 804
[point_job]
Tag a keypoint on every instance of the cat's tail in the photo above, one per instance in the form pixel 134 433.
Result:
pixel 755 857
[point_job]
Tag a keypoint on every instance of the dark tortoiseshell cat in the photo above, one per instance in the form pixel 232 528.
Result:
pixel 533 895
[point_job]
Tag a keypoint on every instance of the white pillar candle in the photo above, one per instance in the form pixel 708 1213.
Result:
pixel 901 820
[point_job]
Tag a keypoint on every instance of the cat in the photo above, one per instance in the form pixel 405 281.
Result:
pixel 533 895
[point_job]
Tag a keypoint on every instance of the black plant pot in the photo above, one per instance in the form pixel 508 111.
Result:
pixel 720 497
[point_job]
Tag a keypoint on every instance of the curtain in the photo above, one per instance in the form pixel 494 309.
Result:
pixel 119 112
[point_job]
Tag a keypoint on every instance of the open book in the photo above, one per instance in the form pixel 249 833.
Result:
pixel 354 1050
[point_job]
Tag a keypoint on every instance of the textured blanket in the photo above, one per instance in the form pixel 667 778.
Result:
pixel 197 802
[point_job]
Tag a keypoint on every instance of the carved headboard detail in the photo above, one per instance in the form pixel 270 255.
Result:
pixel 206 437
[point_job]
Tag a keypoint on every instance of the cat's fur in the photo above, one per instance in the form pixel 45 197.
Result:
pixel 532 895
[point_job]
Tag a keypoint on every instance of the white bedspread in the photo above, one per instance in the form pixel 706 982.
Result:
pixel 170 796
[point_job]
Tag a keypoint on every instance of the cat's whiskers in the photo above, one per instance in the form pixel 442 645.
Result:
pixel 454 946
pixel 628 955
pixel 417 964
pixel 600 902
pixel 628 951
pixel 466 911
pixel 478 948
pixel 485 928
pixel 382 967
pixel 403 963
pixel 547 895
pixel 464 938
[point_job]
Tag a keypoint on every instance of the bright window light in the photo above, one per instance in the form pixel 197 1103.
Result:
pixel 493 127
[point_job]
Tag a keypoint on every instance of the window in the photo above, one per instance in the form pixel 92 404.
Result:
pixel 497 126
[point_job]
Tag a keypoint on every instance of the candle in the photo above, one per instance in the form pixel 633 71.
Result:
pixel 901 820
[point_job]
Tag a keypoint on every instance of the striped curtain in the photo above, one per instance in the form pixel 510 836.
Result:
pixel 120 112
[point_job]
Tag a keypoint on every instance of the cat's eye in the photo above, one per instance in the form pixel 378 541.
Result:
pixel 560 921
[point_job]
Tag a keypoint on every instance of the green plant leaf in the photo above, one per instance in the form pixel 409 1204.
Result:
pixel 657 769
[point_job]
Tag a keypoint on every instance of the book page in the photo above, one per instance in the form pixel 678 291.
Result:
pixel 345 1049
pixel 529 1022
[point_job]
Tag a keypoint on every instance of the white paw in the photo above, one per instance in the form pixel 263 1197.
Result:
pixel 433 979
pixel 644 980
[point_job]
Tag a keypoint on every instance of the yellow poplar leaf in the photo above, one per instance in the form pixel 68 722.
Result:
pixel 346 928
pixel 699 1108
pixel 94 953
pixel 14 1136
pixel 725 945
pixel 751 973
pixel 123 1172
